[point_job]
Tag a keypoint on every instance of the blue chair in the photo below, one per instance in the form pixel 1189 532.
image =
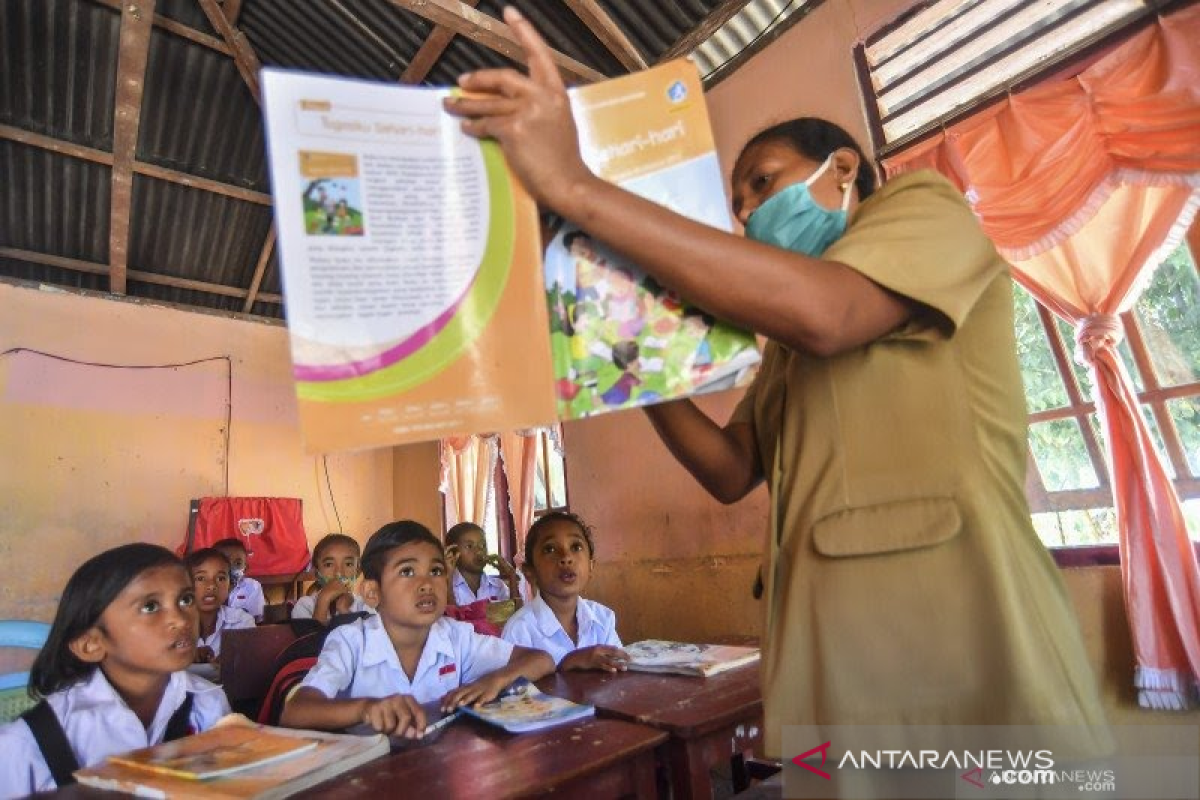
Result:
pixel 14 698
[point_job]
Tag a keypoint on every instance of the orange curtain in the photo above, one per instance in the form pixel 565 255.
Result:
pixel 1085 185
pixel 468 463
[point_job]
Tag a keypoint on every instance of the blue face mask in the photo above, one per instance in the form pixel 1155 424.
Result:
pixel 793 220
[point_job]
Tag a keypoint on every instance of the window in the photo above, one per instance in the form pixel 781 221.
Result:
pixel 1068 484
pixel 550 487
pixel 945 57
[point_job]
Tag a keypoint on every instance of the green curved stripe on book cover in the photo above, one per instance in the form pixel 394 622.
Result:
pixel 469 320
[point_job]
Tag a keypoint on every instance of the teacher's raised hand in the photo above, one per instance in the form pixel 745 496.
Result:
pixel 530 117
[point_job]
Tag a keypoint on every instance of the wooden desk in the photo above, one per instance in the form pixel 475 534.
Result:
pixel 592 758
pixel 709 719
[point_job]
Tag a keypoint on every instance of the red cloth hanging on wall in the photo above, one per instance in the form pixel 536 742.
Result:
pixel 272 528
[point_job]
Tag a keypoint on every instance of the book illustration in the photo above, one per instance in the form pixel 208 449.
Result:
pixel 621 340
pixel 222 751
pixel 524 709
pixel 682 658
pixel 332 196
pixel 326 755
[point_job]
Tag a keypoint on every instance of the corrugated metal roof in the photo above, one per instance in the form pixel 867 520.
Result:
pixel 59 60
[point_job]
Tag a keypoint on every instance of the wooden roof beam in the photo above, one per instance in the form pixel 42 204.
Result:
pixel 177 28
pixel 244 57
pixel 435 44
pixel 137 20
pixel 608 32
pixel 139 167
pixel 96 268
pixel 489 32
pixel 259 269
pixel 724 12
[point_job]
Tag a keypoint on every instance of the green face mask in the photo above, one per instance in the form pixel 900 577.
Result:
pixel 323 580
pixel 795 221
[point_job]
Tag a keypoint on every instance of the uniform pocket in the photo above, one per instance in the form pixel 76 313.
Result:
pixel 887 527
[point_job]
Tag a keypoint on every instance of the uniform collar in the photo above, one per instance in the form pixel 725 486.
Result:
pixel 548 623
pixel 378 648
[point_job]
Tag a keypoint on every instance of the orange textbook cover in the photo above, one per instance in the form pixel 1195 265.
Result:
pixel 411 267
pixel 319 756
pixel 219 751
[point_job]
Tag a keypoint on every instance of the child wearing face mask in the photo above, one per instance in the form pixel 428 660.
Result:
pixel 245 592
pixel 576 632
pixel 209 569
pixel 335 559
pixel 112 676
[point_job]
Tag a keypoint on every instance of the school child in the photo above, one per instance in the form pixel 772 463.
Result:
pixel 112 675
pixel 335 559
pixel 469 580
pixel 244 592
pixel 578 633
pixel 378 670
pixel 209 569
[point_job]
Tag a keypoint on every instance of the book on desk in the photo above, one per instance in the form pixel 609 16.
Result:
pixel 236 760
pixel 523 708
pixel 682 658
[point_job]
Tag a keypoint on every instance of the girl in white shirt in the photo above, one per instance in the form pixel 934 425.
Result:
pixel 112 674
pixel 577 633
pixel 209 569
pixel 335 559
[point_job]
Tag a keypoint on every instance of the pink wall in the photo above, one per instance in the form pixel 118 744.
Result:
pixel 97 457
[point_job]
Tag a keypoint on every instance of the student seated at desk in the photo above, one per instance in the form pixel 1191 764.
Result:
pixel 335 558
pixel 112 675
pixel 578 633
pixel 378 670
pixel 244 592
pixel 209 569
pixel 469 581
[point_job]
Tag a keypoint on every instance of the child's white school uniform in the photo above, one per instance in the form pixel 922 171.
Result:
pixel 305 605
pixel 491 587
pixel 99 724
pixel 534 625
pixel 359 660
pixel 248 596
pixel 227 619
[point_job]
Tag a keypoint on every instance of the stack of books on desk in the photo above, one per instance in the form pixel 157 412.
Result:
pixel 682 658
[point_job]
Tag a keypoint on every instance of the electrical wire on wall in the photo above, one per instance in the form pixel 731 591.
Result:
pixel 228 383
pixel 329 487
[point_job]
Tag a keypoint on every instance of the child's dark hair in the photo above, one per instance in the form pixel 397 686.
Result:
pixel 330 539
pixel 456 532
pixel 232 541
pixel 88 593
pixel 198 557
pixel 815 139
pixel 387 539
pixel 543 522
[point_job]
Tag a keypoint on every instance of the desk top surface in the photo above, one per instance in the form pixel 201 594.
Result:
pixel 474 759
pixel 684 706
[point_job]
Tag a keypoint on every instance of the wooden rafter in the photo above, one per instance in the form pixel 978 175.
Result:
pixel 489 32
pixel 137 20
pixel 608 32
pixel 96 268
pixel 724 12
pixel 259 269
pixel 247 62
pixel 177 28
pixel 139 167
pixel 435 44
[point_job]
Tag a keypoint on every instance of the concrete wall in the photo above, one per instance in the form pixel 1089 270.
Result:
pixel 96 457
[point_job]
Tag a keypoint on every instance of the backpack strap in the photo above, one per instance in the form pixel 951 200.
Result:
pixel 180 724
pixel 288 678
pixel 52 741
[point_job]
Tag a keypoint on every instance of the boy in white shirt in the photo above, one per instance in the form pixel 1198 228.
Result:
pixel 245 592
pixel 380 669
pixel 577 633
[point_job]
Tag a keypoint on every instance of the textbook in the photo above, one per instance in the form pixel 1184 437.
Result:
pixel 417 303
pixel 319 757
pixel 523 709
pixel 680 658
